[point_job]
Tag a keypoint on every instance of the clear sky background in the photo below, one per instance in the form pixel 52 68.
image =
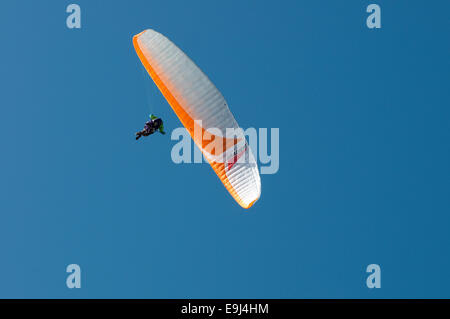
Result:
pixel 364 152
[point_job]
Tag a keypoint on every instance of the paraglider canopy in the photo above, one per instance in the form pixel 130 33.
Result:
pixel 201 107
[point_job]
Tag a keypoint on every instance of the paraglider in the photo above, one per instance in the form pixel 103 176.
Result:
pixel 151 126
pixel 201 108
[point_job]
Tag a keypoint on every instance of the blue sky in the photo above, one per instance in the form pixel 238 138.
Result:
pixel 364 152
